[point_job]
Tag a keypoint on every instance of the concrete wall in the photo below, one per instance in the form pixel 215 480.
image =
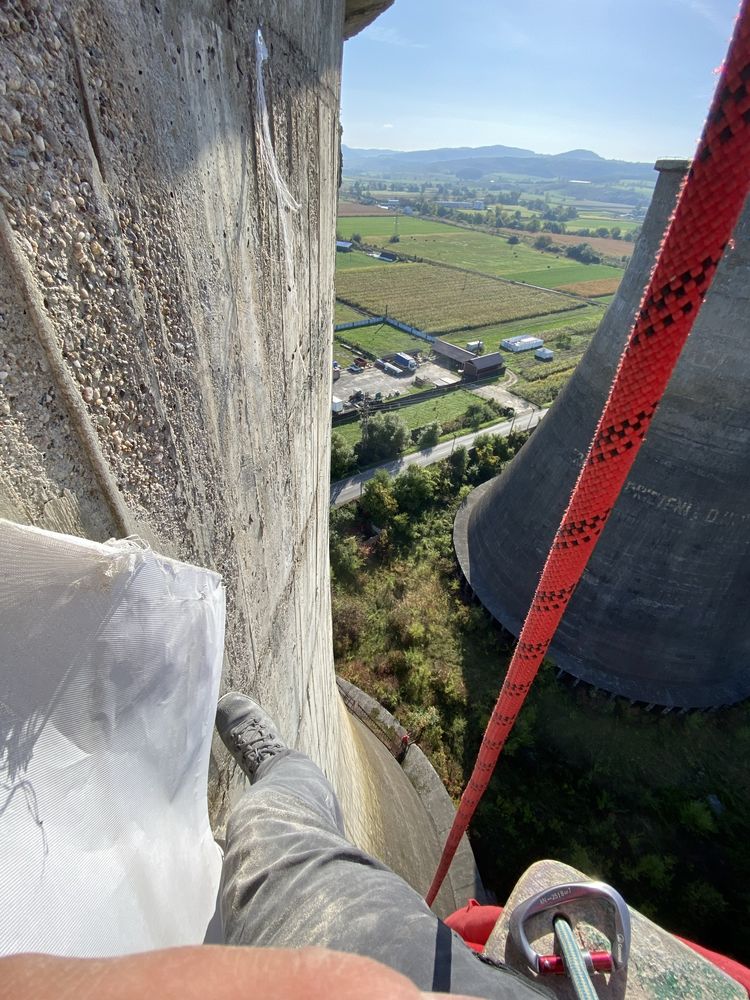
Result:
pixel 165 338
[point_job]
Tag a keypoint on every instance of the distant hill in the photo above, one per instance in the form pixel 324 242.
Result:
pixel 477 163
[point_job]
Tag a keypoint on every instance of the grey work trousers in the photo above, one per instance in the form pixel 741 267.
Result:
pixel 292 879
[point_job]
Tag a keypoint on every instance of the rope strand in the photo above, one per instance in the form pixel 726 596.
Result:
pixel 708 207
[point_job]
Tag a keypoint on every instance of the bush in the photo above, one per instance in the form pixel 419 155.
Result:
pixel 378 501
pixel 430 435
pixel 384 436
pixel 413 490
pixel 342 456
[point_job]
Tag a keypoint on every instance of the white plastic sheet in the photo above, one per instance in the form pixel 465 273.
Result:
pixel 110 662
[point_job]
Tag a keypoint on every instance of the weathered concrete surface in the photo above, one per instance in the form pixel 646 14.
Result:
pixel 166 315
pixel 360 13
pixel 413 798
pixel 660 967
pixel 660 614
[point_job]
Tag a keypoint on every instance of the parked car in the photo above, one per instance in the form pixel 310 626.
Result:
pixel 355 369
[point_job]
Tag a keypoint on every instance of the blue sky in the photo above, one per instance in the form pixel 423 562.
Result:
pixel 630 79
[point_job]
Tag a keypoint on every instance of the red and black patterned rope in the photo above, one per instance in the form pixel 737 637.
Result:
pixel 707 210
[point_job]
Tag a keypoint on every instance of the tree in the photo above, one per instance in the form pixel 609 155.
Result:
pixel 542 242
pixel 356 238
pixel 583 253
pixel 487 462
pixel 342 456
pixel 513 240
pixel 378 500
pixel 383 436
pixel 477 413
pixel 457 462
pixel 430 435
pixel 413 490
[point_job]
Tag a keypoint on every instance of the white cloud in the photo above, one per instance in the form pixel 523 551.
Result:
pixel 388 125
pixel 391 36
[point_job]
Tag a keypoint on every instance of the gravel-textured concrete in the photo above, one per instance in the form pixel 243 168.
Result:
pixel 166 314
pixel 660 614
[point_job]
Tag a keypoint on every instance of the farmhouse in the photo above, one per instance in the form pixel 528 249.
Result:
pixel 343 246
pixel 387 256
pixel 521 343
pixel 484 366
pixel 544 354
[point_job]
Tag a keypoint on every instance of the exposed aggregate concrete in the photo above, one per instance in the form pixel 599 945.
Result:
pixel 164 353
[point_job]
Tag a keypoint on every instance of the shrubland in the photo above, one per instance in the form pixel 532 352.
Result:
pixel 656 804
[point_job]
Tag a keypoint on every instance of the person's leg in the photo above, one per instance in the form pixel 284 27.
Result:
pixel 292 879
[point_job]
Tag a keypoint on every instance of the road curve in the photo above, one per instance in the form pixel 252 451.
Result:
pixel 346 490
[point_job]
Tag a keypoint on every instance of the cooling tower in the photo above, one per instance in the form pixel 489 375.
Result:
pixel 660 615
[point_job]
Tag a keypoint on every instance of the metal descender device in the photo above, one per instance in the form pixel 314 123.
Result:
pixel 579 964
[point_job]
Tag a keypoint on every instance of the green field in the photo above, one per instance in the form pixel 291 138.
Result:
pixel 377 229
pixel 355 260
pixel 477 251
pixel 345 314
pixel 594 220
pixel 441 408
pixel 583 320
pixel 437 299
pixel 380 340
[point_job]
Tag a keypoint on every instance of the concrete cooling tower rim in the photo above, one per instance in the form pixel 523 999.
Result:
pixel 477 555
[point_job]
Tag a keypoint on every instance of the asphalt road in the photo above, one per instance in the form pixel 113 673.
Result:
pixel 346 490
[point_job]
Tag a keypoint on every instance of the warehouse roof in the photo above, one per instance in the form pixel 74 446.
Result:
pixel 485 361
pixel 451 351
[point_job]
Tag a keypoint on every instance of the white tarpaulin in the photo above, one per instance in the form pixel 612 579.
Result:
pixel 110 661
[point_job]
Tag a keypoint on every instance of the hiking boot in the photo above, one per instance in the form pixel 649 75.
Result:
pixel 249 734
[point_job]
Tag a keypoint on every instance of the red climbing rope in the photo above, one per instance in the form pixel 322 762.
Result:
pixel 708 207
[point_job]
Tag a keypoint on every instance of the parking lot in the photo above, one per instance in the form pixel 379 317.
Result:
pixel 372 381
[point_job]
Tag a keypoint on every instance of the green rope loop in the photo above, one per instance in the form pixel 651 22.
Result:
pixel 575 965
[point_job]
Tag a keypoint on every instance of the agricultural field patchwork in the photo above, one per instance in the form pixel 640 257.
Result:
pixel 478 251
pixel 346 208
pixel 436 299
pixel 593 221
pixel 593 289
pixel 540 381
